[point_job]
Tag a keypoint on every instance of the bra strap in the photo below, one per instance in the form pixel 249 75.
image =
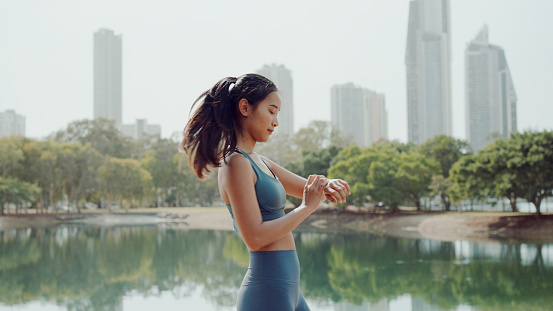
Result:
pixel 256 168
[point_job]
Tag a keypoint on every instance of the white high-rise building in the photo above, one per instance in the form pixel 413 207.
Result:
pixel 140 129
pixel 428 67
pixel 376 117
pixel 359 113
pixel 490 97
pixel 282 78
pixel 108 73
pixel 11 124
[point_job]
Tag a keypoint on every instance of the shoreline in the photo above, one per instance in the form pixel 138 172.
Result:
pixel 443 226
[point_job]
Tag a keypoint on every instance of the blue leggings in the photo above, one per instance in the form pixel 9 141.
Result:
pixel 272 283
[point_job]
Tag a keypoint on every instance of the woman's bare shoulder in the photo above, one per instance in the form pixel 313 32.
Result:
pixel 233 159
pixel 234 165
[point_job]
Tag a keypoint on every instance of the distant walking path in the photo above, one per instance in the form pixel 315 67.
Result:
pixel 192 218
pixel 445 226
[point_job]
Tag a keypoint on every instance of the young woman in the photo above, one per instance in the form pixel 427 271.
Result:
pixel 233 116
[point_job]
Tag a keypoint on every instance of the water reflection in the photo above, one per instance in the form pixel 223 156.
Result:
pixel 84 268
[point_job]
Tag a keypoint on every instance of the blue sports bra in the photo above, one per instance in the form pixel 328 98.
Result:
pixel 270 193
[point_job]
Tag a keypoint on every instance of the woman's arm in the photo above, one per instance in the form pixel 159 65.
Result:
pixel 335 191
pixel 239 184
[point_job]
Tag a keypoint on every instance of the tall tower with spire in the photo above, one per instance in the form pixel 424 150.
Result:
pixel 490 97
pixel 428 68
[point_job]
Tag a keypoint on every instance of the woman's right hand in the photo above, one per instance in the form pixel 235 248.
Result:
pixel 313 191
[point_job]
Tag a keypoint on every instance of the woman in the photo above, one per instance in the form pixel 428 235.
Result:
pixel 232 117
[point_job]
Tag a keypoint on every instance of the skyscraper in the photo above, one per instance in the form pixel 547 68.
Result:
pixel 11 124
pixel 359 113
pixel 108 84
pixel 282 78
pixel 428 67
pixel 376 117
pixel 490 98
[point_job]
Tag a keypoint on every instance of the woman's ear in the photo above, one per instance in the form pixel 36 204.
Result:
pixel 244 107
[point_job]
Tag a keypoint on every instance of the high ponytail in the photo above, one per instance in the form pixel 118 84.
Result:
pixel 210 134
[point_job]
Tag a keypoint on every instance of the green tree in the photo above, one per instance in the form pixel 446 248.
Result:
pixel 17 192
pixel 192 191
pixel 186 179
pixel 446 150
pixel 50 177
pixel 469 179
pixel 397 146
pixel 313 162
pixel 123 179
pixel 388 172
pixel 319 135
pixel 31 150
pixel 354 168
pixel 496 172
pixel 346 154
pixel 78 166
pixel 159 161
pixel 28 168
pixel 534 162
pixel 383 179
pixel 414 176
pixel 517 167
pixel 441 187
pixel 101 134
pixel 10 156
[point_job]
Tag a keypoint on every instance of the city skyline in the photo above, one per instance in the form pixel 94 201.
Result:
pixel 46 68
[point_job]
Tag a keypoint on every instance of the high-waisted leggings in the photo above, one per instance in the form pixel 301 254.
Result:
pixel 272 283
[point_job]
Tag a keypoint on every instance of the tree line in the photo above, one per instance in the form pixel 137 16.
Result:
pixel 91 161
pixel 393 173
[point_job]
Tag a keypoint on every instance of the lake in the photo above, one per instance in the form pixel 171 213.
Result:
pixel 76 267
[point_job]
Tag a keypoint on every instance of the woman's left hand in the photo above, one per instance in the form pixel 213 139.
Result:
pixel 336 191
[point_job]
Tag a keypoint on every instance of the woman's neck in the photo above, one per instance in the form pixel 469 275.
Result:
pixel 245 144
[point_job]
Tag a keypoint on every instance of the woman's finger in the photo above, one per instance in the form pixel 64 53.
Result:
pixel 331 198
pixel 345 185
pixel 340 191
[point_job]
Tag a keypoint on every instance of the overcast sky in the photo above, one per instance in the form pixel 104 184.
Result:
pixel 175 49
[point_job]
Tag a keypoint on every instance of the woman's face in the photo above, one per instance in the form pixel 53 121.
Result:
pixel 261 123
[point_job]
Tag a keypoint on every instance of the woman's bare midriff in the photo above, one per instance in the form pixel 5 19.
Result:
pixel 285 243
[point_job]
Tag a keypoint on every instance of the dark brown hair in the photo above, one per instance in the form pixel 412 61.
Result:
pixel 210 135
